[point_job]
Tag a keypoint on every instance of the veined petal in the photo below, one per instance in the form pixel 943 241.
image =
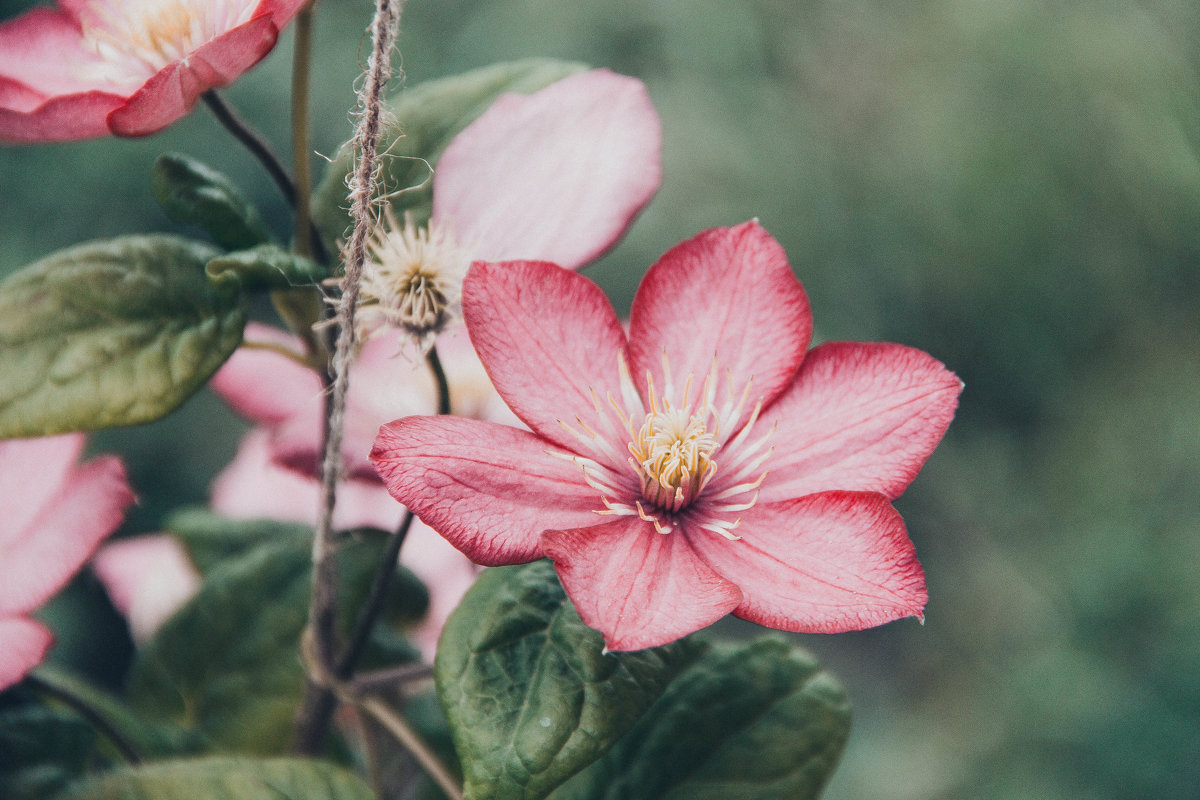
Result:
pixel 173 91
pixel 489 489
pixel 548 338
pixel 556 175
pixel 825 563
pixel 25 644
pixel 72 116
pixel 728 294
pixel 62 536
pixel 859 417
pixel 638 587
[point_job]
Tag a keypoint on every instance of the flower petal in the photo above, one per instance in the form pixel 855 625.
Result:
pixel 51 459
pixel 556 175
pixel 43 50
pixel 173 91
pixel 489 489
pixel 265 386
pixel 73 116
pixel 859 417
pixel 548 338
pixel 43 555
pixel 25 645
pixel 148 578
pixel 728 294
pixel 638 587
pixel 826 563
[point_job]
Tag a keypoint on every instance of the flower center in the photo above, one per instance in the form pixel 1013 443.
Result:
pixel 137 38
pixel 413 279
pixel 672 454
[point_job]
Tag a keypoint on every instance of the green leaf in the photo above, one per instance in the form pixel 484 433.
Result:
pixel 211 540
pixel 40 750
pixel 423 120
pixel 150 738
pixel 529 694
pixel 225 779
pixel 267 266
pixel 110 333
pixel 194 193
pixel 227 665
pixel 757 721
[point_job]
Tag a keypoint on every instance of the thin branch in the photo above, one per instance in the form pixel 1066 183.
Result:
pixel 374 604
pixel 323 602
pixel 439 377
pixel 390 678
pixel 398 727
pixel 91 714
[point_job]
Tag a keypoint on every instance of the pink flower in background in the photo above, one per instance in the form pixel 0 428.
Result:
pixel 130 67
pixel 556 175
pixel 274 474
pixel 706 463
pixel 53 514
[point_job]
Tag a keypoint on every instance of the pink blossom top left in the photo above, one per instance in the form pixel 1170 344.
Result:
pixel 88 68
pixel 54 512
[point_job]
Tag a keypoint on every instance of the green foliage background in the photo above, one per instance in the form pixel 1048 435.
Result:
pixel 1012 186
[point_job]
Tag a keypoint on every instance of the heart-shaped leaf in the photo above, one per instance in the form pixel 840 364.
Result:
pixel 529 693
pixel 110 333
pixel 757 721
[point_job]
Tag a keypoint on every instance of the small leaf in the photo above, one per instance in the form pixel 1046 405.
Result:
pixel 267 266
pixel 211 540
pixel 194 193
pixel 757 721
pixel 529 694
pixel 225 779
pixel 111 333
pixel 227 665
pixel 425 118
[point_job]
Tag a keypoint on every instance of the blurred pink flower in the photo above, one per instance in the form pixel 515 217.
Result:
pixel 556 175
pixel 733 469
pixel 53 514
pixel 273 475
pixel 148 578
pixel 130 67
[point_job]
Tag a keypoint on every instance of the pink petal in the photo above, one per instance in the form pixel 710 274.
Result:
pixel 548 338
pixel 40 559
pixel 148 578
pixel 557 175
pixel 281 10
pixel 638 587
pixel 489 489
pixel 861 417
pixel 253 486
pixel 826 563
pixel 265 386
pixel 73 116
pixel 24 646
pixel 726 293
pixel 173 91
pixel 43 49
pixel 51 459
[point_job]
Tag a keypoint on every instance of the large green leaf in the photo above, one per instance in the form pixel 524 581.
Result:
pixel 193 192
pixel 529 693
pixel 758 721
pixel 224 779
pixel 111 333
pixel 228 665
pixel 212 540
pixel 423 120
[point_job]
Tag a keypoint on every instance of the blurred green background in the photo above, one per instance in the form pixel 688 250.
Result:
pixel 1012 186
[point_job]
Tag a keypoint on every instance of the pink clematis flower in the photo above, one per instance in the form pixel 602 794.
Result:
pixel 706 463
pixel 556 175
pixel 130 67
pixel 53 514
